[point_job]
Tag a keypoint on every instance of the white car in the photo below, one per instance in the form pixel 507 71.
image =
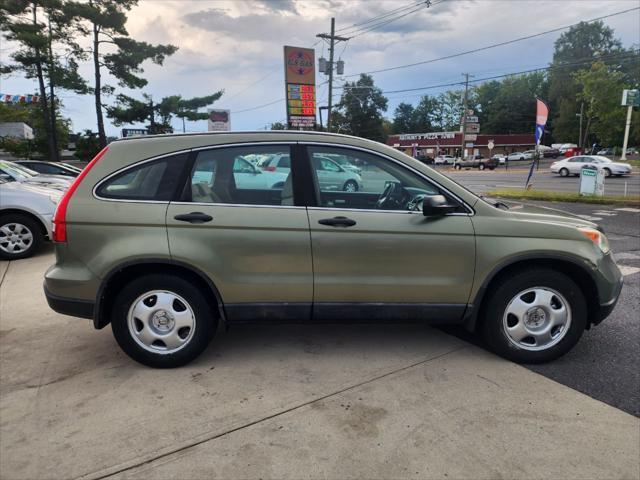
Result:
pixel 573 165
pixel 501 157
pixel 26 211
pixel 519 156
pixel 444 160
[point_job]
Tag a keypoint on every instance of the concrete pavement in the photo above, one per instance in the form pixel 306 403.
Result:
pixel 287 401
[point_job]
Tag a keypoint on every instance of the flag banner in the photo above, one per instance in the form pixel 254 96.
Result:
pixel 8 98
pixel 542 113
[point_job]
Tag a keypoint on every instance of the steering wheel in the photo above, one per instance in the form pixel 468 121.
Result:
pixel 415 204
pixel 386 200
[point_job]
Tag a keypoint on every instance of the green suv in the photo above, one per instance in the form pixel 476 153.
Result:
pixel 165 237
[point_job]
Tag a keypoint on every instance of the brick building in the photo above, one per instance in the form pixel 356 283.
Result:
pixel 448 143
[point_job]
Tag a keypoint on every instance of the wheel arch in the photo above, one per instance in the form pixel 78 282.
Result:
pixel 120 275
pixel 573 268
pixel 26 213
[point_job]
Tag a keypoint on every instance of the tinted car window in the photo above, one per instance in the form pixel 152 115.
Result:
pixel 342 188
pixel 285 162
pixel 156 180
pixel 44 168
pixel 225 176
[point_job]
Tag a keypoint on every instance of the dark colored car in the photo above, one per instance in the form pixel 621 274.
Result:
pixel 478 161
pixel 551 153
pixel 50 168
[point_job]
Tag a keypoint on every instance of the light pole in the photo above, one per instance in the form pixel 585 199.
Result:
pixel 580 115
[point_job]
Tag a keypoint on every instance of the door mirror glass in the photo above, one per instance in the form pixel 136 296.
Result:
pixel 437 206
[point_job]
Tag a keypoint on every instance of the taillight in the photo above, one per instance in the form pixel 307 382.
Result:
pixel 270 169
pixel 60 217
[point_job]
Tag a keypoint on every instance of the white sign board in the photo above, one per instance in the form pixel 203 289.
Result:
pixel 490 145
pixel 472 128
pixel 219 120
pixel 471 137
pixel 592 181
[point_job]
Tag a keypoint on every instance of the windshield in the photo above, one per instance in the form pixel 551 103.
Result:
pixel 17 171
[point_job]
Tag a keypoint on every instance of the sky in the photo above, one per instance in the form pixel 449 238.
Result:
pixel 237 46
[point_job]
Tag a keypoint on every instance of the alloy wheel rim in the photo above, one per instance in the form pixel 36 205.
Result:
pixel 15 238
pixel 350 187
pixel 161 322
pixel 537 318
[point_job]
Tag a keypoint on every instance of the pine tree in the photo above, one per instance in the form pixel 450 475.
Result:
pixel 106 20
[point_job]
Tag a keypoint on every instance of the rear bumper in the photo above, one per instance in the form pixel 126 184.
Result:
pixel 69 306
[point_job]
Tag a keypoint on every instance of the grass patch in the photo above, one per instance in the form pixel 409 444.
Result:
pixel 633 163
pixel 563 197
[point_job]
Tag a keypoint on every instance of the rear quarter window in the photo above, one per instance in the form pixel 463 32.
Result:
pixel 154 180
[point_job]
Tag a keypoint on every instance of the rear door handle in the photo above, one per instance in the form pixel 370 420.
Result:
pixel 337 222
pixel 194 217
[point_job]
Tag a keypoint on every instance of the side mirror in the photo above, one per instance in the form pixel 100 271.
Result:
pixel 437 206
pixel 5 177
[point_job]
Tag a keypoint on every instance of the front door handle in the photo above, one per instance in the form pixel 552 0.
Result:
pixel 194 217
pixel 337 222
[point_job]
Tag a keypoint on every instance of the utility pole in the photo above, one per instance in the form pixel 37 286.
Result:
pixel 581 114
pixel 332 38
pixel 464 112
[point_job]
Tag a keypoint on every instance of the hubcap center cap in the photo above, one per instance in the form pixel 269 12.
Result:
pixel 536 317
pixel 162 320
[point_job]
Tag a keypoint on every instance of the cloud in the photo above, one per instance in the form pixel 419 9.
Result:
pixel 279 6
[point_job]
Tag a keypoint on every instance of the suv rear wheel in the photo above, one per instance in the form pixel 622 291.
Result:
pixel 162 321
pixel 20 236
pixel 534 316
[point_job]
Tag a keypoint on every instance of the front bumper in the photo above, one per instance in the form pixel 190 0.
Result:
pixel 611 281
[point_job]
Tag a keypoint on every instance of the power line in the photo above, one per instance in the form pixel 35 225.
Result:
pixel 386 22
pixel 259 106
pixel 379 17
pixel 623 55
pixel 508 42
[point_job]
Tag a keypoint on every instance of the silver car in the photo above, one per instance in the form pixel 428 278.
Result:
pixel 331 175
pixel 573 165
pixel 19 173
pixel 26 211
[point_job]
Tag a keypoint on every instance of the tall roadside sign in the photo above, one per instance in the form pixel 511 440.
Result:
pixel 300 85
pixel 630 99
pixel 219 120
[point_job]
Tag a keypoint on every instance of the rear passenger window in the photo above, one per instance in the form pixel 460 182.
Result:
pixel 155 180
pixel 232 176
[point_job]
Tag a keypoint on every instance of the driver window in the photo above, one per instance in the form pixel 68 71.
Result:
pixel 354 179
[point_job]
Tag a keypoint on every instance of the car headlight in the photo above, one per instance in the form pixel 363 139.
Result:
pixel 597 237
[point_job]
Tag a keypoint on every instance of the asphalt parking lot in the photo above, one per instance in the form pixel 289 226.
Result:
pixel 373 401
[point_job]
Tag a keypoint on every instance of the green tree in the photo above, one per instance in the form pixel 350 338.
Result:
pixel 448 110
pixel 582 43
pixel 104 21
pixel 159 115
pixel 360 110
pixel 278 126
pixel 509 106
pixel 45 33
pixel 31 114
pixel 404 118
pixel 601 90
pixel 424 113
pixel 87 145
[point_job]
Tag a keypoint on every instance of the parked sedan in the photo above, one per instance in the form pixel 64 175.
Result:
pixel 519 156
pixel 444 160
pixel 331 174
pixel 26 212
pixel 573 165
pixel 606 151
pixel 50 168
pixel 19 173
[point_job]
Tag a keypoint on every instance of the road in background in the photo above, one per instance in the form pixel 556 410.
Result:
pixel 487 180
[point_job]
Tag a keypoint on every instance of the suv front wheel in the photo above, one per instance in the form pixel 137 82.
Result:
pixel 534 316
pixel 162 321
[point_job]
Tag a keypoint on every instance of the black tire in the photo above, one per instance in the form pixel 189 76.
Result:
pixel 564 172
pixel 457 166
pixel 607 172
pixel 481 166
pixel 492 168
pixel 206 320
pixel 502 293
pixel 10 220
pixel 350 183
